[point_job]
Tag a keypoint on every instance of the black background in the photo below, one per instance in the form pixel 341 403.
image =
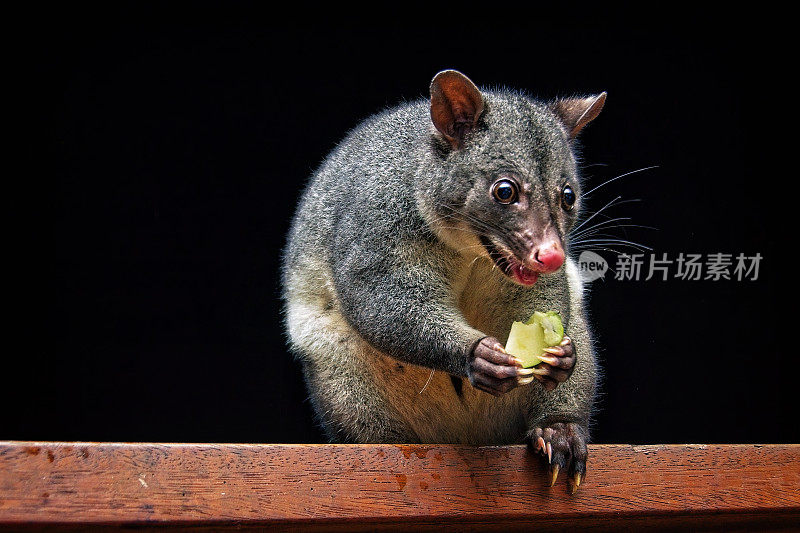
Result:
pixel 164 153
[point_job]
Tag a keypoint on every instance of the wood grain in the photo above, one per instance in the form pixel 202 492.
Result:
pixel 47 485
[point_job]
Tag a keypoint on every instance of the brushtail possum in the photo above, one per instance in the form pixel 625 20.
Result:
pixel 419 240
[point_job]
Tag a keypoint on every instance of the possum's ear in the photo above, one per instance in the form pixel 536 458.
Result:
pixel 456 105
pixel 576 113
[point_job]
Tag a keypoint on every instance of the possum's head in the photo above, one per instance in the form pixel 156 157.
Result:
pixel 506 185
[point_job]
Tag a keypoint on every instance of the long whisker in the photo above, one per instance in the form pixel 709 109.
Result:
pixel 481 223
pixel 618 177
pixel 464 248
pixel 609 204
pixel 594 229
pixel 573 233
pixel 427 382
pixel 623 242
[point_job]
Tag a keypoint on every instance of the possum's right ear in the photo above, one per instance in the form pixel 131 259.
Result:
pixel 456 106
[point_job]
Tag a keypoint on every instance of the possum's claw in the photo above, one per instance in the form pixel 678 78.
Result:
pixel 557 364
pixel 574 482
pixel 542 446
pixel 492 370
pixel 564 446
pixel 554 474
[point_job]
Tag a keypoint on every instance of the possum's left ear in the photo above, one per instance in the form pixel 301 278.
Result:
pixel 576 113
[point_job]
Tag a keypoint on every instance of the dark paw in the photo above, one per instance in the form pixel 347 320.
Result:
pixel 494 371
pixel 564 446
pixel 557 364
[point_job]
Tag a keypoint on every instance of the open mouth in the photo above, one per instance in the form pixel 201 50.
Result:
pixel 509 265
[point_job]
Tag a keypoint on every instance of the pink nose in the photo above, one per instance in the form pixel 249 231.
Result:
pixel 549 257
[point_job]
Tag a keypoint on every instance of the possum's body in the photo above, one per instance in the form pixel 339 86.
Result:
pixel 340 367
pixel 364 249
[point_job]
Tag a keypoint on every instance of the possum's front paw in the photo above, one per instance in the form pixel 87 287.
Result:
pixel 557 364
pixel 564 446
pixel 492 370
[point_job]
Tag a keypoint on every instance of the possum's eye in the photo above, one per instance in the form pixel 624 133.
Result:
pixel 505 191
pixel 567 197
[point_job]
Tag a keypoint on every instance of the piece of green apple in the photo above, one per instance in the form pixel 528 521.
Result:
pixel 527 340
pixel 551 324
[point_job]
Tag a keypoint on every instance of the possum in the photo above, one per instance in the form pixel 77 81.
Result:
pixel 416 243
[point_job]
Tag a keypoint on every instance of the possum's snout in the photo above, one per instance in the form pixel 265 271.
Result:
pixel 546 258
pixel 540 250
pixel 525 266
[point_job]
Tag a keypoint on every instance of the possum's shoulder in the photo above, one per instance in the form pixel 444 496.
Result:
pixel 383 135
pixel 360 184
pixel 373 159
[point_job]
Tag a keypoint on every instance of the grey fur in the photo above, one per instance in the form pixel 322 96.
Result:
pixel 384 278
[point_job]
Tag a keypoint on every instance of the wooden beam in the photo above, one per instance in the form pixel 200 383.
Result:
pixel 394 487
